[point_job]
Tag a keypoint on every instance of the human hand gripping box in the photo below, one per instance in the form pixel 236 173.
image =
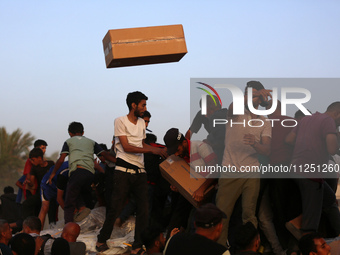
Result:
pixel 177 172
pixel 144 45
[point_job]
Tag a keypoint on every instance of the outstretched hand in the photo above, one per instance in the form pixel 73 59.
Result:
pixel 51 177
pixel 161 152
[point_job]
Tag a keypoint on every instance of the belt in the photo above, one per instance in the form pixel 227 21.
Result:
pixel 129 170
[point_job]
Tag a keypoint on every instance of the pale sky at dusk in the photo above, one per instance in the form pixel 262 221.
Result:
pixel 53 69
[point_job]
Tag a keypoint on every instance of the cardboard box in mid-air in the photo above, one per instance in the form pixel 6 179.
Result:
pixel 177 172
pixel 144 45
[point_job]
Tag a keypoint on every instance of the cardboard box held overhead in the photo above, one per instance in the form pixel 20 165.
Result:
pixel 177 172
pixel 144 45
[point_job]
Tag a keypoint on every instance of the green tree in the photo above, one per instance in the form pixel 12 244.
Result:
pixel 14 149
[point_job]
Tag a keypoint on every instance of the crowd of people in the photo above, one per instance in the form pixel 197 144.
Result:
pixel 243 209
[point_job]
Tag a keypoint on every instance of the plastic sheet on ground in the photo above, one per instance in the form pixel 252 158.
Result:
pixel 90 227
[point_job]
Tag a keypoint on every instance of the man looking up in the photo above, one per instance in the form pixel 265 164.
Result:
pixel 130 175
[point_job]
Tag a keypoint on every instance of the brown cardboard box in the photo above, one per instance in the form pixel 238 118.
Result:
pixel 144 45
pixel 177 171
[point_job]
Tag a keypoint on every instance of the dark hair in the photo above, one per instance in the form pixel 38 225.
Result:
pixel 299 114
pixel 334 107
pixel 23 244
pixel 39 142
pixel 254 84
pixel 306 243
pixel 211 102
pixel 8 190
pixel 135 97
pixel 76 128
pixel 36 153
pixel 2 225
pixel 150 235
pixel 103 146
pixel 150 138
pixel 60 247
pixel 245 236
pixel 33 223
pixel 147 114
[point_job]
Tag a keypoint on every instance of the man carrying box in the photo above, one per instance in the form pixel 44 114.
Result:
pixel 201 154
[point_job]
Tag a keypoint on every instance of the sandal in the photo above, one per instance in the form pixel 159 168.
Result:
pixel 102 247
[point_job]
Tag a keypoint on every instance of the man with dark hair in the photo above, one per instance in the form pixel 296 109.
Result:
pixel 32 226
pixel 23 244
pixel 130 175
pixel 76 128
pixel 216 133
pixel 80 151
pixel 5 236
pixel 146 118
pixel 31 206
pixel 247 239
pixel 153 240
pixel 195 153
pixel 27 169
pixel 208 223
pixel 315 139
pixel 243 145
pixel 313 244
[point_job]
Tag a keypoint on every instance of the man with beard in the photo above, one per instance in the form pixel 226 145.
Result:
pixel 130 175
pixel 243 144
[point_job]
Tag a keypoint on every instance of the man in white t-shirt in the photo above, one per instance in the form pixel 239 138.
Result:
pixel 130 175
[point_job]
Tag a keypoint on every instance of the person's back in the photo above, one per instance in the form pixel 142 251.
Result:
pixel 310 145
pixel 23 244
pixel 208 223
pixel 10 210
pixel 188 243
pixel 70 233
pixel 315 138
pixel 80 149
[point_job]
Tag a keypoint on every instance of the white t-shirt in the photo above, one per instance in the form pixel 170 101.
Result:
pixel 135 134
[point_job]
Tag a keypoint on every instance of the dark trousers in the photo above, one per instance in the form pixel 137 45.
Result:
pixel 124 184
pixel 78 187
pixel 318 198
pixel 31 206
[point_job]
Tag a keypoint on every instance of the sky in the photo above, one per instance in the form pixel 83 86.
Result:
pixel 52 65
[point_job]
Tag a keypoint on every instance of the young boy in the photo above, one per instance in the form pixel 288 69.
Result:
pixel 31 206
pixel 41 144
pixel 80 151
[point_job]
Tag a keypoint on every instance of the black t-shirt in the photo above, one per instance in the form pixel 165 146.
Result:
pixel 39 171
pixel 186 243
pixel 198 121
